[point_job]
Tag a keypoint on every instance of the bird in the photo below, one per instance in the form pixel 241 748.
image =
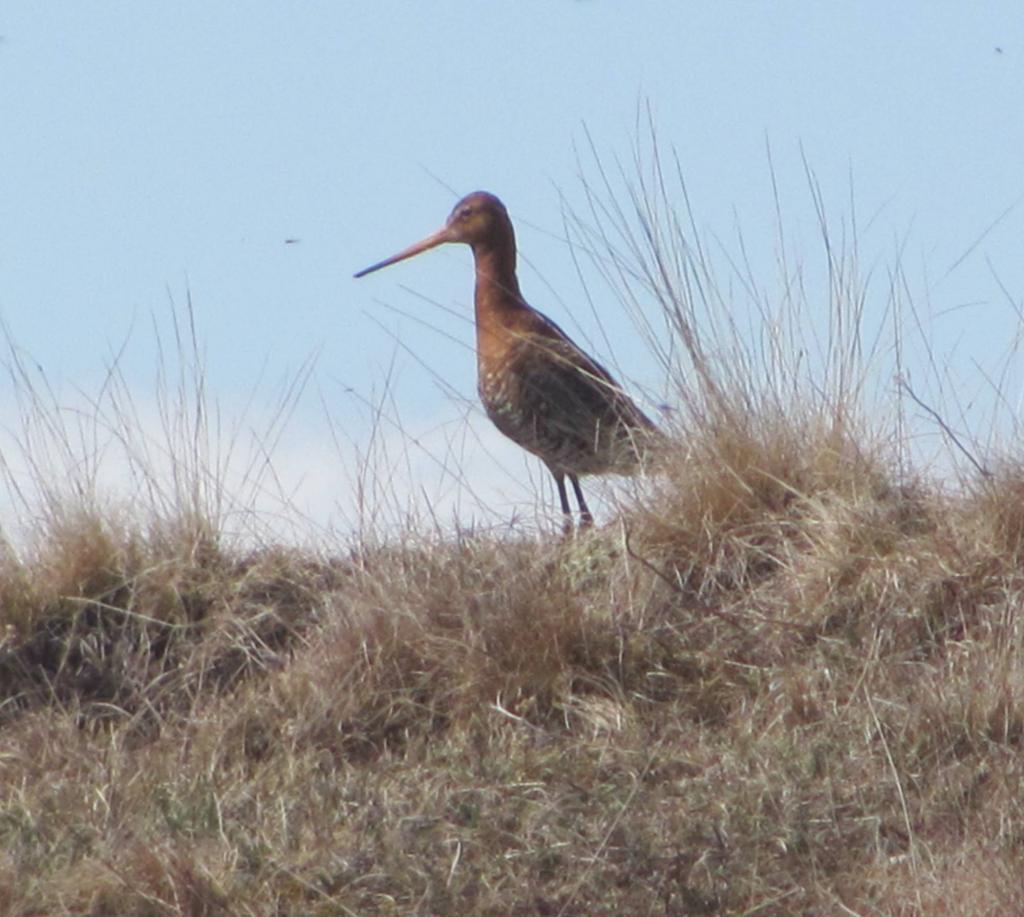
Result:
pixel 537 386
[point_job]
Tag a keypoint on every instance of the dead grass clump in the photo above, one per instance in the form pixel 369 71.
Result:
pixel 731 498
pixel 994 510
pixel 426 637
pixel 114 620
pixel 858 562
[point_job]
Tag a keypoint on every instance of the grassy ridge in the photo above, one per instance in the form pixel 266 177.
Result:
pixel 789 692
pixel 786 678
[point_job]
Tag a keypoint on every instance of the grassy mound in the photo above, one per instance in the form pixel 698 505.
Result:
pixel 783 682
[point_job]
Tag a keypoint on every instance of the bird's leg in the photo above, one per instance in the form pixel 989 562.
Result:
pixel 564 497
pixel 586 519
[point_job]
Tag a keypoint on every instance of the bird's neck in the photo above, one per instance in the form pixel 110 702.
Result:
pixel 498 301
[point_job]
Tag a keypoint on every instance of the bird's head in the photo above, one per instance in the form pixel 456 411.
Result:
pixel 478 219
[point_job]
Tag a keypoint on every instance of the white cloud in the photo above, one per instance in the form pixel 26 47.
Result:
pixel 294 474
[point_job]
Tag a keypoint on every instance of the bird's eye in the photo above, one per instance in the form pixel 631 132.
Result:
pixel 465 213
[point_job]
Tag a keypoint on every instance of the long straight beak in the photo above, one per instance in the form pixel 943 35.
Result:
pixel 438 238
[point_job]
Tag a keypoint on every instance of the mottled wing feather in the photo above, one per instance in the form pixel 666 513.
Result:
pixel 556 402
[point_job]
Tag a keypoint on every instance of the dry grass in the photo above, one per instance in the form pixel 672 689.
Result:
pixel 786 680
pixel 817 707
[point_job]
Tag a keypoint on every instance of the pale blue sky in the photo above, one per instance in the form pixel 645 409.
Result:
pixel 147 148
